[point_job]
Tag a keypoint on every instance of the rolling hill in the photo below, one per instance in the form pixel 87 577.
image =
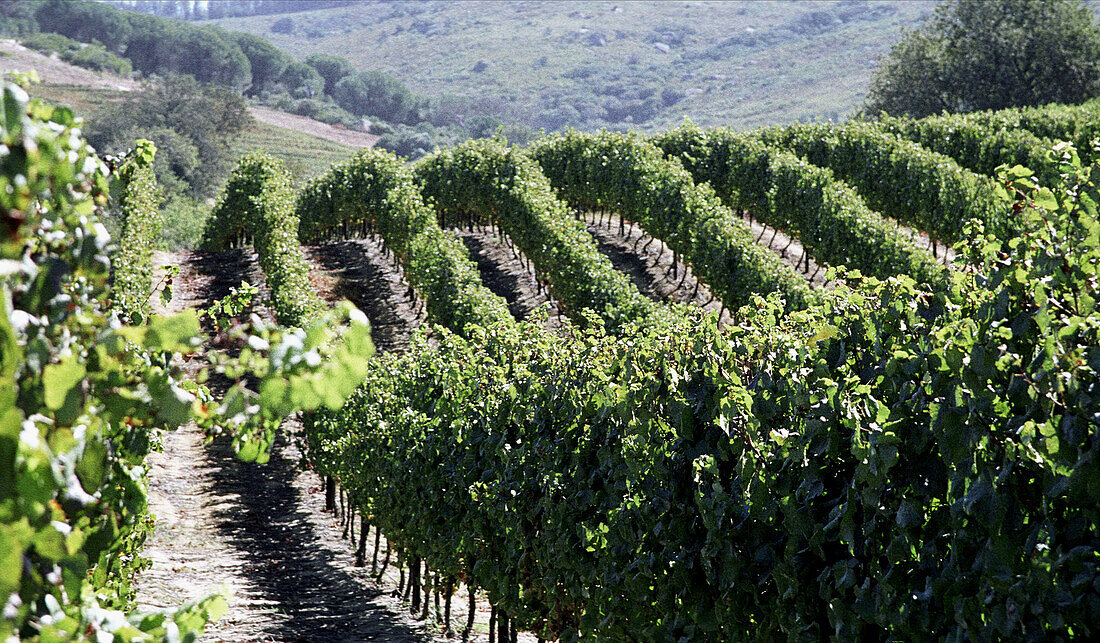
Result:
pixel 623 65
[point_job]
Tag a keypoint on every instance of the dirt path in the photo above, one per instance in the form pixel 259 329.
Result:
pixel 357 270
pixel 504 274
pixel 256 531
pixel 16 57
pixel 790 250
pixel 649 262
pixel 316 128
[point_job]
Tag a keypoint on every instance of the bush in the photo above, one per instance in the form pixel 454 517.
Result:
pixel 184 220
pixel 373 93
pixel 49 43
pixel 96 58
pixel 408 143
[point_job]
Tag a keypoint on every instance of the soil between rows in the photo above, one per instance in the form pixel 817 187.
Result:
pixel 259 532
pixel 358 271
pixel 505 275
pixel 255 531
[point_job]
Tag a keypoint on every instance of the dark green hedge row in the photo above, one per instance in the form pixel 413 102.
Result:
pixel 138 201
pixel 257 205
pixel 485 180
pixel 376 191
pixel 900 179
pixel 632 176
pixel 807 202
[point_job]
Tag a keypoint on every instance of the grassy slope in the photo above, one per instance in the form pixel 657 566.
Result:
pixel 745 63
pixel 305 156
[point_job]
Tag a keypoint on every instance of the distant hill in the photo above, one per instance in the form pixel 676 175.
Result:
pixel 209 10
pixel 640 65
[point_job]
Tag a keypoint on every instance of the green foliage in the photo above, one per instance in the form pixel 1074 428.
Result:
pixel 268 63
pixel 184 220
pixel 1078 124
pixel 78 398
pixel 900 179
pixel 192 125
pixel 895 463
pixel 257 204
pixel 974 145
pixel 630 175
pixel 137 199
pixel 409 143
pixel 486 181
pixel 93 56
pixel 827 217
pixel 301 80
pixel 376 192
pixel 332 68
pixel 373 93
pixel 86 22
pixel 17 19
pixel 229 309
pixel 974 55
pixel 82 397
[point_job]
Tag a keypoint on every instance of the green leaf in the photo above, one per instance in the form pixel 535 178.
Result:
pixel 92 465
pixel 13 541
pixel 1045 199
pixel 58 380
pixel 173 333
pixel 174 406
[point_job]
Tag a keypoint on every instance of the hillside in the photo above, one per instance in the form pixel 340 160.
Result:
pixel 305 145
pixel 632 64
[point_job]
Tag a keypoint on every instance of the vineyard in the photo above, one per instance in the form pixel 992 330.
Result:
pixel 800 382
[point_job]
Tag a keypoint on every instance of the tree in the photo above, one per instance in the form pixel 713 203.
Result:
pixel 332 68
pixel 976 54
pixel 373 93
pixel 192 125
pixel 85 21
pixel 268 62
pixel 17 19
pixel 301 80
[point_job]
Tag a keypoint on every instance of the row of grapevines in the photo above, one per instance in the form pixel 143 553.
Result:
pixel 138 203
pixel 258 204
pixel 976 146
pixel 898 178
pixel 781 190
pixel 485 180
pixel 1078 124
pixel 80 396
pixel 896 463
pixel 375 191
pixel 632 176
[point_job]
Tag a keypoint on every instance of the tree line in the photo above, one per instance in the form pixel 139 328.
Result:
pixel 239 61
